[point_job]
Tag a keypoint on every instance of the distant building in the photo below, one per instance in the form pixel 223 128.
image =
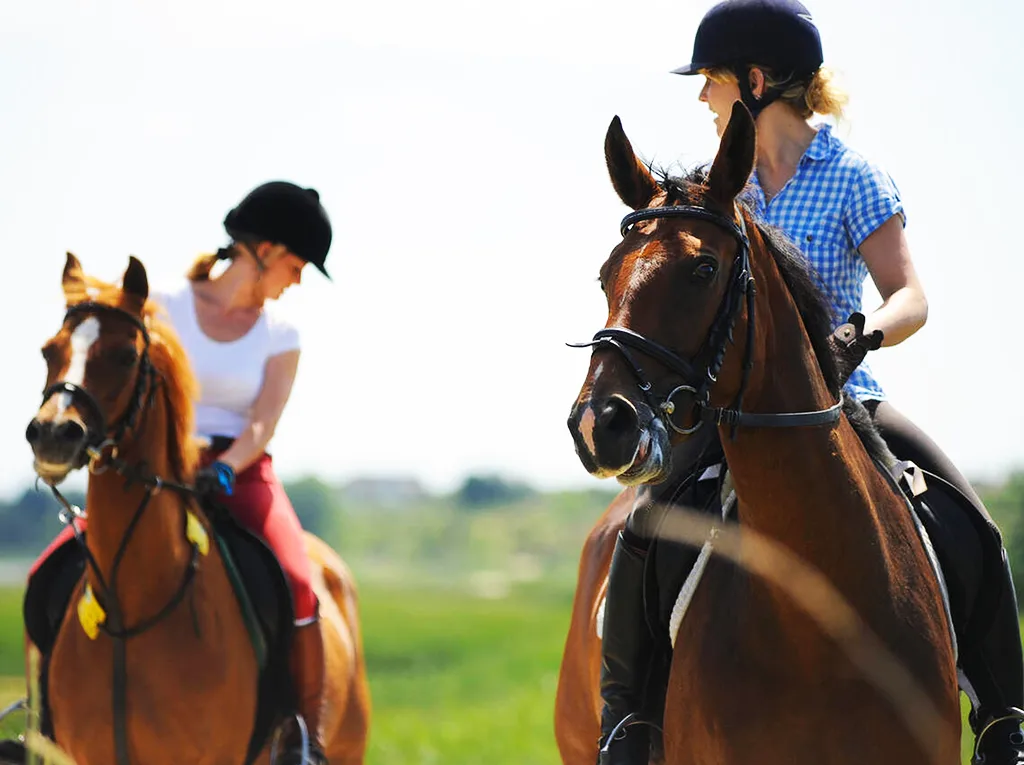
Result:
pixel 387 492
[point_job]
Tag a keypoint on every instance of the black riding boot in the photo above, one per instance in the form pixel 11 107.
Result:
pixel 306 663
pixel 990 643
pixel 995 669
pixel 627 647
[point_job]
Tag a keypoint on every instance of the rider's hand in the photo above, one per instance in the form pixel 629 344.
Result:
pixel 216 479
pixel 850 345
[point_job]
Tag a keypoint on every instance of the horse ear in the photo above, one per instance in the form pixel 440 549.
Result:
pixel 632 181
pixel 73 279
pixel 735 160
pixel 135 281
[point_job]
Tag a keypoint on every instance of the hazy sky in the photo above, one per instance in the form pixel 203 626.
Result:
pixel 458 149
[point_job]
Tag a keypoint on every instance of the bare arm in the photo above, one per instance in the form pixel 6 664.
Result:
pixel 278 378
pixel 904 307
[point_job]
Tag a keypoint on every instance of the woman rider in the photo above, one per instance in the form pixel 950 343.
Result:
pixel 245 357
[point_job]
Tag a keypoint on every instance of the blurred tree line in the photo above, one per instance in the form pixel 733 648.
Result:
pixel 392 528
pixel 489 522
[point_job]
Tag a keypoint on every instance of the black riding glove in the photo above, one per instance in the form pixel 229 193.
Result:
pixel 218 478
pixel 850 345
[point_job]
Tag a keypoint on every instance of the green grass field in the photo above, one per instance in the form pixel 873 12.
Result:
pixel 459 679
pixel 456 679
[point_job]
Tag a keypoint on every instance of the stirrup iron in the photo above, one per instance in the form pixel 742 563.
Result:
pixel 1012 713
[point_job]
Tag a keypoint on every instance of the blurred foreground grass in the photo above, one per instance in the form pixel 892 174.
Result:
pixel 457 678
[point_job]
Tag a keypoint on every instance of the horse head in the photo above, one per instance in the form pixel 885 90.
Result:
pixel 676 288
pixel 101 377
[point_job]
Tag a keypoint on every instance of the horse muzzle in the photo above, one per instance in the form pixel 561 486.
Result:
pixel 58 447
pixel 616 439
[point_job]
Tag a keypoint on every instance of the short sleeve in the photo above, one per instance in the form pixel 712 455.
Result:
pixel 284 336
pixel 873 199
pixel 171 301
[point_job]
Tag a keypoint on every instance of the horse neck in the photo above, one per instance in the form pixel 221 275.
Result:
pixel 813 488
pixel 156 554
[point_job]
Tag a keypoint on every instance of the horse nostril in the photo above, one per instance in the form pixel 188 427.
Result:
pixel 33 431
pixel 70 431
pixel 617 416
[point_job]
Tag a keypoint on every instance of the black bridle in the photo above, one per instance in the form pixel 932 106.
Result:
pixel 102 444
pixel 699 377
pixel 100 436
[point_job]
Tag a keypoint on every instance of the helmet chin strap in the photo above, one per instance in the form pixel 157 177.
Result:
pixel 755 104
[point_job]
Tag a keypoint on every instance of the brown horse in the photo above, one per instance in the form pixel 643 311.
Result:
pixel 690 343
pixel 153 661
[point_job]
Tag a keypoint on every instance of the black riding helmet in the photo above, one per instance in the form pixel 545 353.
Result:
pixel 779 35
pixel 286 214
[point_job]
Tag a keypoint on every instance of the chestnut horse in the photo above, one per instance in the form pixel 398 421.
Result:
pixel 167 672
pixel 690 343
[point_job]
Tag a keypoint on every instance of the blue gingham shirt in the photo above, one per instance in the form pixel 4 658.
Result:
pixel 832 203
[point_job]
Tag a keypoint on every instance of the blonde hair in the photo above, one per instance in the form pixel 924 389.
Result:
pixel 821 95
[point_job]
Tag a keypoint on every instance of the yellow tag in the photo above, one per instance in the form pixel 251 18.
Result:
pixel 90 614
pixel 197 534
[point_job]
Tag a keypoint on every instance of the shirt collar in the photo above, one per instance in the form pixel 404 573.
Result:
pixel 824 145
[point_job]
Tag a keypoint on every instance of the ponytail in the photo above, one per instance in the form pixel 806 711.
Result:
pixel 824 96
pixel 203 265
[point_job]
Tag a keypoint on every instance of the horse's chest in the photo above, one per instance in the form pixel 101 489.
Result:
pixel 173 695
pixel 722 653
pixel 746 673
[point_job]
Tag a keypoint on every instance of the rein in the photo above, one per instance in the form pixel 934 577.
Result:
pixel 102 445
pixel 699 379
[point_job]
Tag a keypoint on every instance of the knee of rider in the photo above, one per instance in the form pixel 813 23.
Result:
pixel 307 608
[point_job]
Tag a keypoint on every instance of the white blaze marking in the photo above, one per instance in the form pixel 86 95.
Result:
pixel 82 340
pixel 641 268
pixel 589 417
pixel 587 429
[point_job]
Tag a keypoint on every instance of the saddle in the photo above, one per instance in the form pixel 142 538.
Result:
pixel 261 589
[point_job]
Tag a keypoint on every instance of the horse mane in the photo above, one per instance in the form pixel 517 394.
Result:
pixel 174 378
pixel 805 287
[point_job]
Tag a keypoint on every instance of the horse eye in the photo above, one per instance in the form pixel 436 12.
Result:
pixel 126 357
pixel 705 270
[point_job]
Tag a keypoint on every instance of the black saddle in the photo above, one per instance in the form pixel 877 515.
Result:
pixel 260 586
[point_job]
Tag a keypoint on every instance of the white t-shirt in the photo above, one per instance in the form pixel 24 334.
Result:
pixel 230 375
